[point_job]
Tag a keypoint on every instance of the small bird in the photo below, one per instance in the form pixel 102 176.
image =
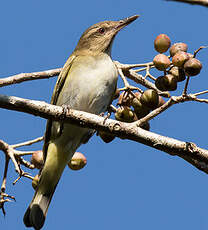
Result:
pixel 87 83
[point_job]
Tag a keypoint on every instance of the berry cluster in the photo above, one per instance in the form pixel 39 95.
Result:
pixel 183 64
pixel 135 105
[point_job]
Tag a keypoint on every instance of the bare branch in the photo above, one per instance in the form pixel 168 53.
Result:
pixel 29 76
pixel 131 66
pixel 200 93
pixel 120 129
pixel 126 84
pixel 186 86
pixel 27 142
pixel 15 156
pixel 200 48
pixel 9 152
pixel 193 2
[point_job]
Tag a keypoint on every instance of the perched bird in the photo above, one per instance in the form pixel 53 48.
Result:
pixel 87 83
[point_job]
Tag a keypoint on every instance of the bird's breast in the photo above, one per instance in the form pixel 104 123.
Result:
pixel 90 84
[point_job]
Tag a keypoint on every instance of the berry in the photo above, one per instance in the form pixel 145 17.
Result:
pixel 161 62
pixel 192 67
pixel 167 82
pixel 37 159
pixel 150 98
pixel 178 47
pixel 180 58
pixel 162 43
pixel 78 161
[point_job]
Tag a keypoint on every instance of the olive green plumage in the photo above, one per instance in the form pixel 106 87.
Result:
pixel 87 82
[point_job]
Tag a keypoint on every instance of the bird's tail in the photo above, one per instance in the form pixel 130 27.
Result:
pixel 55 163
pixel 36 212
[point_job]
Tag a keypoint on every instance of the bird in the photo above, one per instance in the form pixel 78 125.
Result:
pixel 87 83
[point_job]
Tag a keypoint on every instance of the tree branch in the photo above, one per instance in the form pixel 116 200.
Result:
pixel 126 68
pixel 193 2
pixel 188 151
pixel 18 78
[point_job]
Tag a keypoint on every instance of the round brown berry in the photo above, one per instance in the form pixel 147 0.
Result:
pixel 78 161
pixel 161 62
pixel 180 58
pixel 178 47
pixel 178 73
pixel 167 82
pixel 37 159
pixel 192 67
pixel 162 43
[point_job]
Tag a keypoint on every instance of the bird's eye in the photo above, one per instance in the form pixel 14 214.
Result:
pixel 101 30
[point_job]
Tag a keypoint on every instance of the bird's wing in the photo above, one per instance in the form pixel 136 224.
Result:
pixel 61 79
pixel 59 85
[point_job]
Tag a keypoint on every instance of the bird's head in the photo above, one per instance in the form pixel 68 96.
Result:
pixel 99 37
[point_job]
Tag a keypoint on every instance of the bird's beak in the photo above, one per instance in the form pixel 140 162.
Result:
pixel 126 21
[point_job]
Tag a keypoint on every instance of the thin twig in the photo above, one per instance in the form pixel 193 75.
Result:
pixel 3 185
pixel 200 48
pixel 148 74
pixel 200 93
pixel 144 69
pixel 131 66
pixel 27 164
pixel 138 78
pixel 186 86
pixel 193 2
pixel 113 108
pixel 30 142
pixel 154 113
pixel 23 175
pixel 14 155
pixel 201 100
pixel 126 84
pixel 23 153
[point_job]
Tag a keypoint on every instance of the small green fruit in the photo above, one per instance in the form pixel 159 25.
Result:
pixel 124 113
pixel 140 109
pixel 35 181
pixel 150 98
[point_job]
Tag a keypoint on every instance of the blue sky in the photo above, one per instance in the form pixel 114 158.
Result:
pixel 125 185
